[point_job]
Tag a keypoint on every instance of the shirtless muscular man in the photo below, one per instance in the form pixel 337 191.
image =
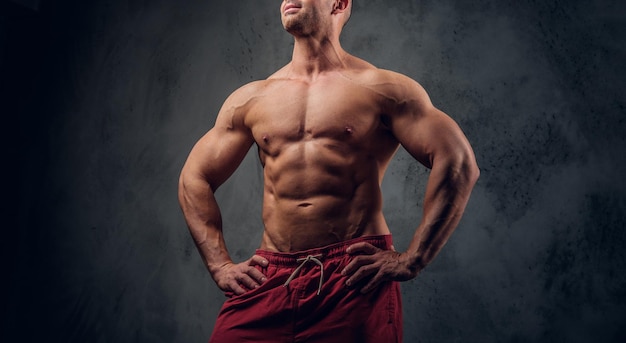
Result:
pixel 326 126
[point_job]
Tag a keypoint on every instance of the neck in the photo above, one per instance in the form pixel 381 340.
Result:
pixel 314 55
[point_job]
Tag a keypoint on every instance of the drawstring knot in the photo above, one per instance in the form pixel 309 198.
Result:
pixel 310 258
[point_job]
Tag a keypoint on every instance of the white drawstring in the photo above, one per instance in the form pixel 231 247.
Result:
pixel 304 261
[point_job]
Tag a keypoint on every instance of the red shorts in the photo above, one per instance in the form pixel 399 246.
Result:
pixel 275 313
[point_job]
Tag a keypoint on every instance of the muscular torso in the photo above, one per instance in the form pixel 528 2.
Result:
pixel 324 146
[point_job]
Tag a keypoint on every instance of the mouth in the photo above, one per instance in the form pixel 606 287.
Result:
pixel 290 8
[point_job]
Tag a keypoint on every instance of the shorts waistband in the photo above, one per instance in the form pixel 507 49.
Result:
pixel 329 251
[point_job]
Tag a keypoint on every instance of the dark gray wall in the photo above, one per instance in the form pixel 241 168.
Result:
pixel 104 99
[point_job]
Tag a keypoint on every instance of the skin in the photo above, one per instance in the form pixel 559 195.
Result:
pixel 326 126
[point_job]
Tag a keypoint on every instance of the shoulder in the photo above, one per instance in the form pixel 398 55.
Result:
pixel 233 111
pixel 245 93
pixel 238 106
pixel 258 88
pixel 396 85
pixel 240 100
pixel 397 88
pixel 389 83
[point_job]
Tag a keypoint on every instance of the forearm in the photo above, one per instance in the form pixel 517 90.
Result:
pixel 447 193
pixel 204 220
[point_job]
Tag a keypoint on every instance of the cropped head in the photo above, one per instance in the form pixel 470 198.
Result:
pixel 311 17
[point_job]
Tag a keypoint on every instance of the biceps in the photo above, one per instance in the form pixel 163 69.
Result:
pixel 431 135
pixel 217 154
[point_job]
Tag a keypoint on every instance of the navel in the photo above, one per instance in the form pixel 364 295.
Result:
pixel 349 129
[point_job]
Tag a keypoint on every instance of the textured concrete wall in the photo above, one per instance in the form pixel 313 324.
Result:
pixel 101 253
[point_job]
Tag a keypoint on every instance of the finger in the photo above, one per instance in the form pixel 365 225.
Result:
pixel 256 275
pixel 247 281
pixel 362 248
pixel 356 263
pixel 258 260
pixel 237 289
pixel 360 274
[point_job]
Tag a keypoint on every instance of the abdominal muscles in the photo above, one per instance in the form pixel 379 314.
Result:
pixel 317 193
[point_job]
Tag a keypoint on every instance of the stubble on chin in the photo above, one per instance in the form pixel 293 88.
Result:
pixel 292 24
pixel 300 24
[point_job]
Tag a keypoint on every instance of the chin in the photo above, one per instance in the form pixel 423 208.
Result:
pixel 297 24
pixel 293 27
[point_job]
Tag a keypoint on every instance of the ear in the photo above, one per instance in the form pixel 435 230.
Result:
pixel 340 6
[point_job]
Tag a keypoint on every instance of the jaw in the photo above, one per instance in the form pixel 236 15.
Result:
pixel 296 29
pixel 303 24
pixel 296 23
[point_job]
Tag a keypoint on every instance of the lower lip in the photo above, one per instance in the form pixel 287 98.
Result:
pixel 292 10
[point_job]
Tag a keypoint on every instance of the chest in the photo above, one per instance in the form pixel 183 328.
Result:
pixel 333 109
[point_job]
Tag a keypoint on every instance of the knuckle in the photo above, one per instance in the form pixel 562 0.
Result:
pixel 362 260
pixel 364 269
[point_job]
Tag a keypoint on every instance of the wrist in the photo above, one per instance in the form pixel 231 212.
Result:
pixel 415 262
pixel 216 267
